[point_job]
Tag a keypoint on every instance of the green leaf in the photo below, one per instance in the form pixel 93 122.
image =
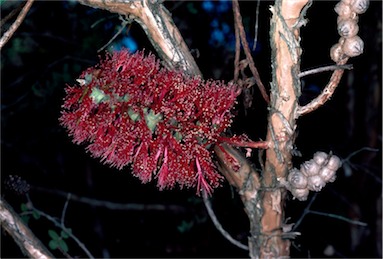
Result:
pixel 185 226
pixel 152 119
pixel 64 234
pixel 98 96
pixel 53 234
pixel 35 214
pixel 53 244
pixel 24 207
pixel 63 245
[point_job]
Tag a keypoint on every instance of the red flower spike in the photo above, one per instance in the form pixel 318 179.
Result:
pixel 130 110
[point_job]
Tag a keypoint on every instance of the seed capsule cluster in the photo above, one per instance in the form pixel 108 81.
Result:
pixel 313 175
pixel 350 44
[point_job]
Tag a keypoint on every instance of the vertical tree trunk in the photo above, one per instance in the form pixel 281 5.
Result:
pixel 266 215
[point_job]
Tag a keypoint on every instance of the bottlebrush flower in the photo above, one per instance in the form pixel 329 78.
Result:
pixel 130 110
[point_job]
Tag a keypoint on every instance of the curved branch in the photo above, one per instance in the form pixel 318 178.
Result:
pixel 29 244
pixel 326 94
pixel 8 34
pixel 219 226
pixel 158 26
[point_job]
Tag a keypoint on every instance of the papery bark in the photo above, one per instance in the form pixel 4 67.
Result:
pixel 271 241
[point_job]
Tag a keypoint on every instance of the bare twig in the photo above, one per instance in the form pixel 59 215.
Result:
pixel 330 215
pixel 123 25
pixel 256 25
pixel 218 225
pixel 8 34
pixel 237 54
pixel 10 15
pixel 323 69
pixel 254 70
pixel 61 226
pixel 114 205
pixel 360 150
pixel 65 208
pixel 326 94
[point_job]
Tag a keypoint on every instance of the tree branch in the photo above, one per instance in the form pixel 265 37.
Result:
pixel 8 34
pixel 29 244
pixel 324 96
pixel 158 26
pixel 219 226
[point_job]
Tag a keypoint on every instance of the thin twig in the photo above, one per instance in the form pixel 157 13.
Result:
pixel 360 150
pixel 299 221
pixel 65 208
pixel 123 25
pixel 324 96
pixel 323 69
pixel 10 15
pixel 330 215
pixel 218 225
pixel 254 70
pixel 114 205
pixel 256 25
pixel 8 34
pixel 237 54
pixel 61 226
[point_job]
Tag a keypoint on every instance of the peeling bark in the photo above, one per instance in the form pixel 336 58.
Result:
pixel 23 236
pixel 287 18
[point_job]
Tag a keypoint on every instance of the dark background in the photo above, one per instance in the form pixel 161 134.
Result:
pixel 58 40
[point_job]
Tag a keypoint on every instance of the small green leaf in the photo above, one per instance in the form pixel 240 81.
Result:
pixel 133 115
pixel 24 207
pixel 63 245
pixel 53 244
pixel 98 95
pixel 53 234
pixel 35 214
pixel 152 119
pixel 185 226
pixel 64 234
pixel 177 135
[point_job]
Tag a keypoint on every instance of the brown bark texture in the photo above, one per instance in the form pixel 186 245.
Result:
pixel 23 236
pixel 269 239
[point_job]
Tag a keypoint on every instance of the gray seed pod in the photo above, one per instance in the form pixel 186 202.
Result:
pixel 297 179
pixel 300 194
pixel 348 27
pixel 353 46
pixel 320 157
pixel 344 10
pixel 310 168
pixel 334 163
pixel 315 183
pixel 336 53
pixel 359 6
pixel 327 174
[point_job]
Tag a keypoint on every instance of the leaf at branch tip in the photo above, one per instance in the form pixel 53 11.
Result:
pixel 53 234
pixel 53 244
pixel 63 245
